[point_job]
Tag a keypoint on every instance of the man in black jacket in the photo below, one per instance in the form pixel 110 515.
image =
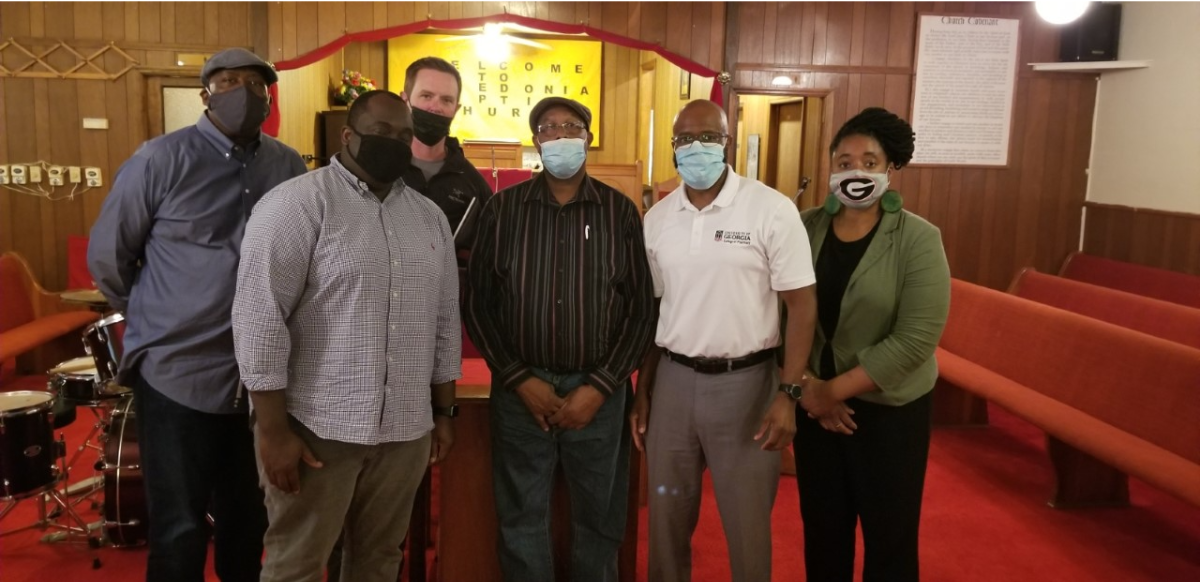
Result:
pixel 440 171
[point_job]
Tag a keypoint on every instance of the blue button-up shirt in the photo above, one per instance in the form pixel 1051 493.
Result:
pixel 165 251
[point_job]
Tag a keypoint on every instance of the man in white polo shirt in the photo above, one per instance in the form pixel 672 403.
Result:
pixel 723 251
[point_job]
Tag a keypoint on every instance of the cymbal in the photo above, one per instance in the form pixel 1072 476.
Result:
pixel 84 364
pixel 88 296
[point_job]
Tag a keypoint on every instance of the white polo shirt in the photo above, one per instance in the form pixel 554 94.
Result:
pixel 719 270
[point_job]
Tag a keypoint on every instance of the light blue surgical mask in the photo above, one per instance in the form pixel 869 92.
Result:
pixel 857 188
pixel 564 156
pixel 700 164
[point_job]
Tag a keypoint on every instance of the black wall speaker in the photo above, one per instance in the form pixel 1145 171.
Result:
pixel 1094 36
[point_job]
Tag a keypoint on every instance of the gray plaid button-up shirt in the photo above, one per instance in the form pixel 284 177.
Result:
pixel 349 304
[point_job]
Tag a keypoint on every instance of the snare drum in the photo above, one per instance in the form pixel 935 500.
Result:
pixel 104 341
pixel 125 513
pixel 75 380
pixel 27 448
pixel 78 382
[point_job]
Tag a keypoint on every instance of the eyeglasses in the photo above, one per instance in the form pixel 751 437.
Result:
pixel 683 140
pixel 569 129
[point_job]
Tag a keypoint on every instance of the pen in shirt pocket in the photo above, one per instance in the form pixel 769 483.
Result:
pixel 586 231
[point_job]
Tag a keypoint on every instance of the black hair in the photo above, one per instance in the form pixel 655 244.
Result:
pixel 432 63
pixel 359 105
pixel 894 135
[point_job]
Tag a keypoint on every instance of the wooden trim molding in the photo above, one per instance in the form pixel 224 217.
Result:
pixel 1145 236
pixel 1135 209
pixel 845 69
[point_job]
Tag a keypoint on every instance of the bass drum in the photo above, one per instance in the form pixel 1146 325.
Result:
pixel 125 514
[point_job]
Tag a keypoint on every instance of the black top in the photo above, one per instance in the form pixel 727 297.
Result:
pixel 452 189
pixel 564 288
pixel 834 267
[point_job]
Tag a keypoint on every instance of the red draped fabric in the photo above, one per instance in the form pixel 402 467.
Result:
pixel 78 276
pixel 465 23
pixel 271 125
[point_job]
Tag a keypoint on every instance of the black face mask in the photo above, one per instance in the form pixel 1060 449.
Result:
pixel 239 110
pixel 430 128
pixel 383 158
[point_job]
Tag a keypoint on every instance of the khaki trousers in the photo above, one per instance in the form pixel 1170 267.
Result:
pixel 366 489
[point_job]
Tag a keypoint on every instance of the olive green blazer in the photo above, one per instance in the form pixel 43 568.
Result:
pixel 894 309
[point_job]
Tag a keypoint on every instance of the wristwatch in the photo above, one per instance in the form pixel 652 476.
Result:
pixel 447 411
pixel 795 391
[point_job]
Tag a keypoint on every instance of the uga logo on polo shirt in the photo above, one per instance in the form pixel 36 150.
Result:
pixel 732 237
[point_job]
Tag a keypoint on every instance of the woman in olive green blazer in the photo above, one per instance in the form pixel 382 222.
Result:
pixel 883 292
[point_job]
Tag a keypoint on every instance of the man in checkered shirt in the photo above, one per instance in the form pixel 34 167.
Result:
pixel 346 327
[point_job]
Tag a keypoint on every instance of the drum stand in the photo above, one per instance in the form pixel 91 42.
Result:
pixel 89 487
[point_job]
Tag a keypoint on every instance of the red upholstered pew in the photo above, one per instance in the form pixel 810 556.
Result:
pixel 1169 321
pixel 1112 401
pixel 34 324
pixel 1160 284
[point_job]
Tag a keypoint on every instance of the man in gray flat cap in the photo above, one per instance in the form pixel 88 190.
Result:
pixel 560 304
pixel 165 251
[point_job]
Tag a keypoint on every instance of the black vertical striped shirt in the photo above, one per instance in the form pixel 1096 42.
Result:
pixel 564 288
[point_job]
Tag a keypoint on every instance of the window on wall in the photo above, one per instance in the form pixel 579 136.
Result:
pixel 172 102
pixel 181 107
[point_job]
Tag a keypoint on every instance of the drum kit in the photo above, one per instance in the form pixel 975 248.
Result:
pixel 33 464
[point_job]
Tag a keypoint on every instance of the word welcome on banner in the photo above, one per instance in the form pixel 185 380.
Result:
pixel 498 92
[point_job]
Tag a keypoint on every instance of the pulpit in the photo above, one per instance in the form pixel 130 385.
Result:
pixel 493 153
pixel 501 178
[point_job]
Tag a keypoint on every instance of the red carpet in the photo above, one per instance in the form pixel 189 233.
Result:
pixel 985 519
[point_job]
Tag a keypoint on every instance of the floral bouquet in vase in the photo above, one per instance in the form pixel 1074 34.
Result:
pixel 353 85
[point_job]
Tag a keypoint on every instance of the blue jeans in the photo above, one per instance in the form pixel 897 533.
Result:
pixel 195 463
pixel 595 462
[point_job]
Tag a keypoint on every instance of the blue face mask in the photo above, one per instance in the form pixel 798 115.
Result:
pixel 563 157
pixel 700 164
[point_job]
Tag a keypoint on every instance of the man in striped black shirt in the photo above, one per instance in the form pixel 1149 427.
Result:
pixel 560 305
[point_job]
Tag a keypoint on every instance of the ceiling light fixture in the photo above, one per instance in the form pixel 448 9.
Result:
pixel 1060 11
pixel 782 81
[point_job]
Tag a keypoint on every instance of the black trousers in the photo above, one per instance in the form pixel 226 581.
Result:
pixel 192 463
pixel 876 476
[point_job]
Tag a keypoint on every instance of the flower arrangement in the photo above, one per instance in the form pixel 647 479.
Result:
pixel 353 85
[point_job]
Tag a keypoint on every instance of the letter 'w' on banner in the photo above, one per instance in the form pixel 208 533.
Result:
pixel 499 91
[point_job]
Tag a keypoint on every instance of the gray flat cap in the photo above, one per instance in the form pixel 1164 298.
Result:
pixel 542 106
pixel 235 58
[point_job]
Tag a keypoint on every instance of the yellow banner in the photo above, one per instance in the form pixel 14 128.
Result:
pixel 499 92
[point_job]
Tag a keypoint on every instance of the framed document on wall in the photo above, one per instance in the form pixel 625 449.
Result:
pixel 963 91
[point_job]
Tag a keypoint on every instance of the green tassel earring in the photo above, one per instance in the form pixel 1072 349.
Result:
pixel 891 201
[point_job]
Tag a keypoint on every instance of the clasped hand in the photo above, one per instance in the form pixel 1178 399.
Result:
pixel 832 414
pixel 575 411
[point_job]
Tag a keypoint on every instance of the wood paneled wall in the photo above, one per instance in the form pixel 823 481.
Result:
pixel 42 118
pixel 668 84
pixel 303 93
pixel 1157 238
pixel 993 221
pixel 619 129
